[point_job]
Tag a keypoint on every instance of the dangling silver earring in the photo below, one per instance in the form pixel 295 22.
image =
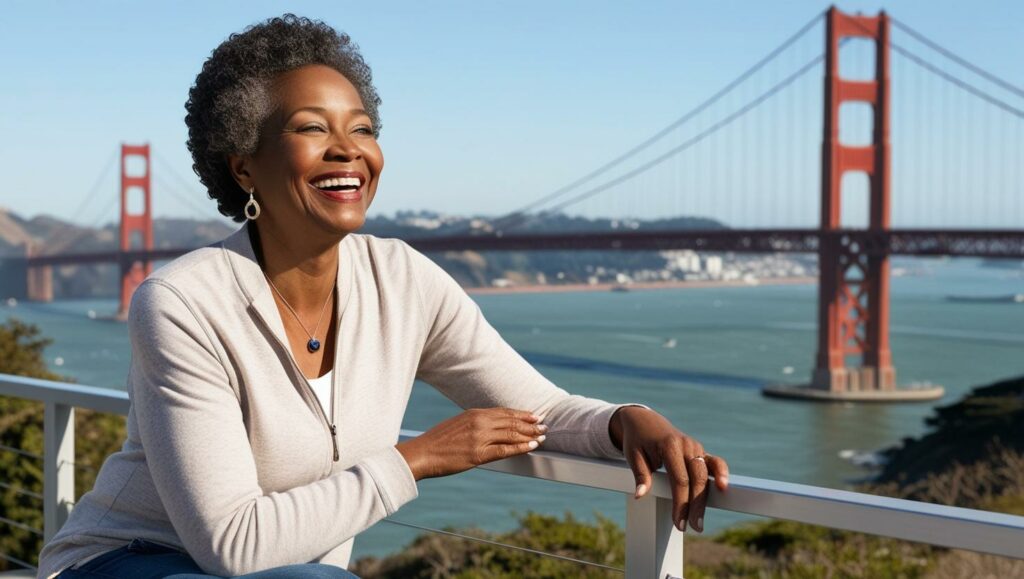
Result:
pixel 252 208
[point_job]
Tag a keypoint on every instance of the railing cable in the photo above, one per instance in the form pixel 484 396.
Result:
pixel 515 547
pixel 21 491
pixel 18 561
pixel 21 452
pixel 22 526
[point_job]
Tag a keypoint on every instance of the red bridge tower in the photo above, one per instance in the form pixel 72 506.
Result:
pixel 136 228
pixel 853 289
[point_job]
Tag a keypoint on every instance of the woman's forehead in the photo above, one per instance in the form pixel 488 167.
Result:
pixel 316 87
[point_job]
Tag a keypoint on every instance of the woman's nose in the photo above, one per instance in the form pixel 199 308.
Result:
pixel 342 149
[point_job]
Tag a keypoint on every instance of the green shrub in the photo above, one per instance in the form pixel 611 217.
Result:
pixel 21 426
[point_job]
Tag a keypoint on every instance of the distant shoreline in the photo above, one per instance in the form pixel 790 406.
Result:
pixel 583 287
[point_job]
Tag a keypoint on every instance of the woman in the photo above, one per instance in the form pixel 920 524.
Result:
pixel 270 372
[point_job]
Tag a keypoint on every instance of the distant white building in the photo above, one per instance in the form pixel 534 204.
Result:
pixel 481 225
pixel 683 260
pixel 423 222
pixel 713 265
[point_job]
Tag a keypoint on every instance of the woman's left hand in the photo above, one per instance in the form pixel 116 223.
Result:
pixel 648 441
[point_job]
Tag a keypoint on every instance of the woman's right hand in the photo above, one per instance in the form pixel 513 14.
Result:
pixel 472 438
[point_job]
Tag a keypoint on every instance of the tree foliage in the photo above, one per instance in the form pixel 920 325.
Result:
pixel 21 427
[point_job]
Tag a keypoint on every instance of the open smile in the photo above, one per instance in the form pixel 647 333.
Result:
pixel 341 186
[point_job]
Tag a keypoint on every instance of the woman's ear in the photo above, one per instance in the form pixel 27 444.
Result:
pixel 239 167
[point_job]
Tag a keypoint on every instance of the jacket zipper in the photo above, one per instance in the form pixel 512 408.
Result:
pixel 329 422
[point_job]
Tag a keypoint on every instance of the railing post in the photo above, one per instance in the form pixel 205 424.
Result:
pixel 58 466
pixel 654 546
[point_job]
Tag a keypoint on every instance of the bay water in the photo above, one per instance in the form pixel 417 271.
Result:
pixel 617 346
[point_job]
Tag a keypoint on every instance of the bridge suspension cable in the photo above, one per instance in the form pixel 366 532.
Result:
pixel 953 79
pixel 184 184
pixel 513 216
pixel 726 121
pixel 957 81
pixel 91 194
pixel 958 59
pixel 69 235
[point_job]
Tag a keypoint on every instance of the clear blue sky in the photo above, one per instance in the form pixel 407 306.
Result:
pixel 487 105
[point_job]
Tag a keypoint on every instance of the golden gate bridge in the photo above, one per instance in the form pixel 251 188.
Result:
pixel 853 291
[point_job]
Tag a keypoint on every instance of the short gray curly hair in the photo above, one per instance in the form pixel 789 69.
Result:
pixel 230 99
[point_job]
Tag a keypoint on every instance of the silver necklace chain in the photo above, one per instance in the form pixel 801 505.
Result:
pixel 323 309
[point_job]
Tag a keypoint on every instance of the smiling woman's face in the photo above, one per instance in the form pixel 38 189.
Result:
pixel 318 163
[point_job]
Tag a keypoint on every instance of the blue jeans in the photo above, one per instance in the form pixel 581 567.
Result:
pixel 142 559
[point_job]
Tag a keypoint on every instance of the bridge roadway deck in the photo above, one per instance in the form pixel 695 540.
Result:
pixel 924 242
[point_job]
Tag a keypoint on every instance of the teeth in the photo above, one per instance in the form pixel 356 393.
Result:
pixel 337 182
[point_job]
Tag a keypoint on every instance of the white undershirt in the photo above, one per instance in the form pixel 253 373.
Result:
pixel 322 388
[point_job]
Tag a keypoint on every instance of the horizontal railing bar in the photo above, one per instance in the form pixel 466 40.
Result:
pixel 22 526
pixel 77 395
pixel 18 561
pixel 21 452
pixel 21 491
pixel 507 546
pixel 940 525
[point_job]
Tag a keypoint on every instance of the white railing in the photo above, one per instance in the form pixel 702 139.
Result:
pixel 654 547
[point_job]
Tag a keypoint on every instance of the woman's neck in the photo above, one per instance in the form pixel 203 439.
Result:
pixel 303 269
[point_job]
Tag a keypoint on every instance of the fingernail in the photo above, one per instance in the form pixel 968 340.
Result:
pixel 542 427
pixel 725 480
pixel 541 438
pixel 640 489
pixel 700 524
pixel 534 416
pixel 681 525
pixel 533 444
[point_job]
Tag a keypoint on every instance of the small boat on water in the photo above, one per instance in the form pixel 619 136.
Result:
pixel 864 458
pixel 669 343
pixel 1005 299
pixel 620 288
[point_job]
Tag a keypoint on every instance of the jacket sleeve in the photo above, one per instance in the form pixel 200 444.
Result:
pixel 466 359
pixel 198 453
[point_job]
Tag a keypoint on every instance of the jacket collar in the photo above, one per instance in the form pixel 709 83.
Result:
pixel 256 290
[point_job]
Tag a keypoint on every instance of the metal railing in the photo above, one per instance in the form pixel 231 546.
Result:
pixel 654 547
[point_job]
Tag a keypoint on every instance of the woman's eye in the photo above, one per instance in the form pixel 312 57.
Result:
pixel 364 130
pixel 308 128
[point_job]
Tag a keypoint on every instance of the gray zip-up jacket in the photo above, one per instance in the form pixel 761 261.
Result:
pixel 229 455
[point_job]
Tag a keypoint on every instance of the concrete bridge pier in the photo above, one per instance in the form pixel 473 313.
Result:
pixel 40 283
pixel 13 279
pixel 38 279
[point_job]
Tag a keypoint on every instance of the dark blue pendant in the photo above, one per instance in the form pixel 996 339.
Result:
pixel 313 344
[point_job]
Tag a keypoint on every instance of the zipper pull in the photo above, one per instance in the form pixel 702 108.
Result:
pixel 334 439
